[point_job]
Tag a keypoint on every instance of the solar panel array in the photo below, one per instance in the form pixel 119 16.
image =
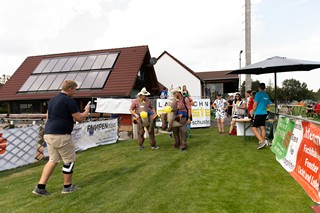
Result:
pixel 88 71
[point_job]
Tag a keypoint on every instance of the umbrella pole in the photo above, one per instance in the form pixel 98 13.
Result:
pixel 275 93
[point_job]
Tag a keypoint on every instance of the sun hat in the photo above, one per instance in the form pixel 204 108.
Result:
pixel 143 92
pixel 176 89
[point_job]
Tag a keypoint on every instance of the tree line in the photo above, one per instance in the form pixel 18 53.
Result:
pixel 291 90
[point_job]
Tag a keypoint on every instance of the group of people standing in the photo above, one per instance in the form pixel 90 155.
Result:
pixel 254 106
pixel 63 111
pixel 183 116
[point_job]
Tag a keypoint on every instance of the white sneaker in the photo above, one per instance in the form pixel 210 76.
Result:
pixel 261 145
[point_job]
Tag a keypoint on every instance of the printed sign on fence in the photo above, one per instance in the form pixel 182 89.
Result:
pixel 282 137
pixel 307 146
pixel 91 134
pixel 200 112
pixel 298 150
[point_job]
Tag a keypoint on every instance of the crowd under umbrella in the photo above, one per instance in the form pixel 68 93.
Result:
pixel 277 64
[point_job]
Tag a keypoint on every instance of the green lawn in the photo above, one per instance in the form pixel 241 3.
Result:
pixel 218 173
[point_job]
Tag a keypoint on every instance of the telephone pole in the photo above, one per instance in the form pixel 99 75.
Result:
pixel 248 41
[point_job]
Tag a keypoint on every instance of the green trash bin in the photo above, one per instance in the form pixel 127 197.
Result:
pixel 269 130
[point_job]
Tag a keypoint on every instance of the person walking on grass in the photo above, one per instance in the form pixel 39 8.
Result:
pixel 62 111
pixel 259 114
pixel 220 105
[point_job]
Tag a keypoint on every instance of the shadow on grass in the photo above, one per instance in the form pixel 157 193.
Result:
pixel 102 177
pixel 22 168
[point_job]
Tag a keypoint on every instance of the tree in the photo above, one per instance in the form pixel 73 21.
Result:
pixel 4 78
pixel 254 87
pixel 293 90
pixel 317 95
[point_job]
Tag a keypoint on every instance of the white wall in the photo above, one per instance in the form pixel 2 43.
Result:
pixel 169 72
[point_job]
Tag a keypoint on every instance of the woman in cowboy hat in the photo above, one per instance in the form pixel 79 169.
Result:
pixel 139 105
pixel 184 113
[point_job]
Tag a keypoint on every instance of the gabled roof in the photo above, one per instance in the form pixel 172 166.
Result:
pixel 179 62
pixel 216 75
pixel 120 81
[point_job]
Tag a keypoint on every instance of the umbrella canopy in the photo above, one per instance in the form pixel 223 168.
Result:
pixel 277 64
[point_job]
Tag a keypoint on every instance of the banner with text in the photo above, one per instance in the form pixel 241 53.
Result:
pixel 91 134
pixel 299 153
pixel 200 112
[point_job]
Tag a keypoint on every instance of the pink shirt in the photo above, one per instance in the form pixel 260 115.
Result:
pixel 144 105
pixel 182 107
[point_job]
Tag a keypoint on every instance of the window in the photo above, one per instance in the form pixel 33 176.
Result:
pixel 50 66
pixel 69 64
pixel 78 64
pixel 99 62
pixel 47 82
pixel 28 83
pixel 88 71
pixel 59 65
pixel 41 66
pixel 101 79
pixel 110 61
pixel 91 77
pixel 89 62
pixel 57 82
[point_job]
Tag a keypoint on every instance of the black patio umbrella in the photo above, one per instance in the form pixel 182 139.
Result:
pixel 277 64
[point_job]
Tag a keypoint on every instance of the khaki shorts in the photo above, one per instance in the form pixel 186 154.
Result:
pixel 60 147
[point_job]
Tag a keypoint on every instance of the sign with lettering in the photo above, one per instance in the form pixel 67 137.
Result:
pixel 200 111
pixel 91 134
pixel 297 150
pixel 282 137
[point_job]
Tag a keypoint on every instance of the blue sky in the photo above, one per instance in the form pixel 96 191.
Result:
pixel 206 35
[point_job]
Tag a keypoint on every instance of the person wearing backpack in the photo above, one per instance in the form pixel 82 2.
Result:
pixel 184 117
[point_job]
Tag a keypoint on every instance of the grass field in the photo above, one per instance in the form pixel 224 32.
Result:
pixel 217 173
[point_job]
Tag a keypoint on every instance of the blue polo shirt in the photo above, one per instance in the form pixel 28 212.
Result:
pixel 60 110
pixel 263 100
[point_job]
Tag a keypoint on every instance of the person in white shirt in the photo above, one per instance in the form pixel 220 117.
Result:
pixel 238 111
pixel 220 105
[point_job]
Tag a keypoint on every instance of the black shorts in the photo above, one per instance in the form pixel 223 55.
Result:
pixel 259 120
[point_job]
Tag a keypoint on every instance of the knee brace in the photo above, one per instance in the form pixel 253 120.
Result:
pixel 68 168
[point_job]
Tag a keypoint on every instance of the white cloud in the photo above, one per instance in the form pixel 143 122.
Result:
pixel 205 35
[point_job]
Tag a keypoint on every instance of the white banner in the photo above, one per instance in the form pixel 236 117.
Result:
pixel 113 105
pixel 18 147
pixel 91 134
pixel 200 112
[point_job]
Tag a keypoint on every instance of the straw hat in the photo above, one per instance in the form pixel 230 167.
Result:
pixel 143 92
pixel 176 89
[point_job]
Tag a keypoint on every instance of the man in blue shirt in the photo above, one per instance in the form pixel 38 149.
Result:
pixel 259 114
pixel 62 111
pixel 164 93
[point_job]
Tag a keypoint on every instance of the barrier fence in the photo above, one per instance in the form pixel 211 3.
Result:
pixel 22 146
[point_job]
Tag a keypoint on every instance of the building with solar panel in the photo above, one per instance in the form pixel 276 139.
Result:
pixel 109 73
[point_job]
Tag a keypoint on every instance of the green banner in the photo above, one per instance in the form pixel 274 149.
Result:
pixel 282 137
